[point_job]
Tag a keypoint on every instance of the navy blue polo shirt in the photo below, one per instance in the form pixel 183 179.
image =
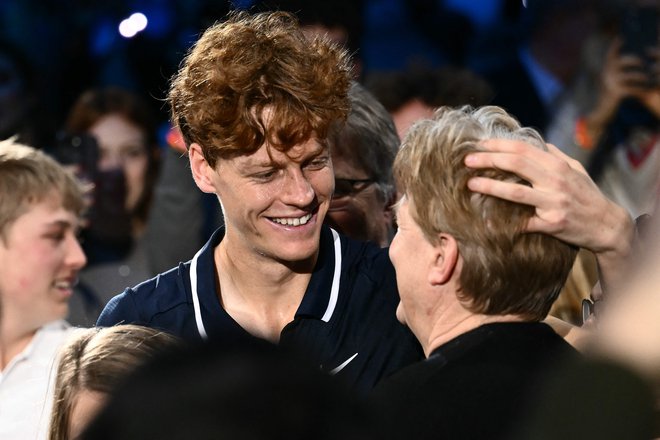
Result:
pixel 345 322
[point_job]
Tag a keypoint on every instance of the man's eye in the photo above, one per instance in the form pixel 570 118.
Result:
pixel 266 175
pixel 318 163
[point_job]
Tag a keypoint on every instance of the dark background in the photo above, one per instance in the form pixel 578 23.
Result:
pixel 73 45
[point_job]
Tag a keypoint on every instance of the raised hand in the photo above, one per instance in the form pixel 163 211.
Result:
pixel 568 204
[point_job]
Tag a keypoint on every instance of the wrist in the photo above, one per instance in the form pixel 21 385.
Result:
pixel 597 119
pixel 617 245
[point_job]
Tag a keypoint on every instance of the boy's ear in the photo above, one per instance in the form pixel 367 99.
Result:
pixel 445 260
pixel 201 170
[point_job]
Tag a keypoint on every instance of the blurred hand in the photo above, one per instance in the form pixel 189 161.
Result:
pixel 622 77
pixel 651 97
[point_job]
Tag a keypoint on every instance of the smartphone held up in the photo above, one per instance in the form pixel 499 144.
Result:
pixel 639 34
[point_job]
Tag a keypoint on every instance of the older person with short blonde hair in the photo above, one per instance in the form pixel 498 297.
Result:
pixel 474 285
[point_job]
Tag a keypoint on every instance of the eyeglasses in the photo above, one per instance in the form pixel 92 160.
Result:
pixel 348 187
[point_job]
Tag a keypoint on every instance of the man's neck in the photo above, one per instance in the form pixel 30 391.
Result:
pixel 261 304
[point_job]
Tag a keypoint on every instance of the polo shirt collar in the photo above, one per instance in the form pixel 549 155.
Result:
pixel 319 301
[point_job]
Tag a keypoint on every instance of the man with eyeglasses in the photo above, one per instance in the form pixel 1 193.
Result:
pixel 363 152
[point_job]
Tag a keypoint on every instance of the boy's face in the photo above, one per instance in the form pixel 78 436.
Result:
pixel 39 262
pixel 274 203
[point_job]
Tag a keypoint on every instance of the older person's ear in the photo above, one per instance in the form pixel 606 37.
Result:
pixel 201 170
pixel 445 260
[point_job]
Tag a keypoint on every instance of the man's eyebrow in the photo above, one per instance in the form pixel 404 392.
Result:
pixel 249 166
pixel 266 163
pixel 321 147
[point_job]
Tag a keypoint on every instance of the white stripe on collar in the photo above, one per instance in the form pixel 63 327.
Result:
pixel 334 291
pixel 332 302
pixel 195 297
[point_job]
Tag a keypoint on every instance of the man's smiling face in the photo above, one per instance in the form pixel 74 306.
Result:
pixel 274 202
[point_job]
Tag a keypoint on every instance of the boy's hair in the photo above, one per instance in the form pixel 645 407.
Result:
pixel 257 78
pixel 29 176
pixel 506 270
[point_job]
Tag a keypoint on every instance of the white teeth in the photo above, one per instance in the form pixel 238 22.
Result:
pixel 293 221
pixel 63 284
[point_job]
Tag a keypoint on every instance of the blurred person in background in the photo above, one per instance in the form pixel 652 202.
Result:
pixel 40 259
pixel 531 76
pixel 414 93
pixel 92 364
pixel 111 137
pixel 611 121
pixel 363 151
pixel 252 390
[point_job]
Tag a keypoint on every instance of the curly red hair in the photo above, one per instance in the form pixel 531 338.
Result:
pixel 247 64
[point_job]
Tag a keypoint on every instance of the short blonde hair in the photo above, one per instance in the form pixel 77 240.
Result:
pixel 98 359
pixel 505 270
pixel 28 176
pixel 249 63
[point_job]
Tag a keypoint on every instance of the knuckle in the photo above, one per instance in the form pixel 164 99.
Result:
pixel 518 192
pixel 562 166
pixel 519 147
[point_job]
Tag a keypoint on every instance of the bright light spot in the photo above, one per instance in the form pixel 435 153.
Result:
pixel 139 20
pixel 126 30
pixel 130 26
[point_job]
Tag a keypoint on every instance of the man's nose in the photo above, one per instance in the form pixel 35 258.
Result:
pixel 298 189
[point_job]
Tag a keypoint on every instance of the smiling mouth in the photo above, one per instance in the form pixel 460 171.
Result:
pixel 292 221
pixel 66 284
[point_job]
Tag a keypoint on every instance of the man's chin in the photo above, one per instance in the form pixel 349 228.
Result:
pixel 298 254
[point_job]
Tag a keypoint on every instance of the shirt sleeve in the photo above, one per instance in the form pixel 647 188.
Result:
pixel 122 309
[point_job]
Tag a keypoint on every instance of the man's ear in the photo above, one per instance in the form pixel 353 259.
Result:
pixel 201 170
pixel 445 260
